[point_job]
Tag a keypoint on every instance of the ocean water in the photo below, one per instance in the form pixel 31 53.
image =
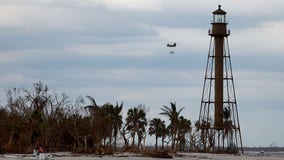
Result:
pixel 265 153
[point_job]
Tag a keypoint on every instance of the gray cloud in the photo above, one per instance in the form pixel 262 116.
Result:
pixel 116 51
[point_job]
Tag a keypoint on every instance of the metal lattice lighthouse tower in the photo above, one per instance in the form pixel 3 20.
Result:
pixel 218 124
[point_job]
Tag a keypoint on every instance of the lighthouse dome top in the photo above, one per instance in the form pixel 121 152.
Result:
pixel 219 16
pixel 219 11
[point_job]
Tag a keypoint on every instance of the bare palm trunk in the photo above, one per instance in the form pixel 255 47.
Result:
pixel 110 143
pixel 156 143
pixel 115 143
pixel 144 140
pixel 85 143
pixel 163 139
pixel 133 142
pixel 173 142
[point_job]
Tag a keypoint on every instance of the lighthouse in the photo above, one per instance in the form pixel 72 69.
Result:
pixel 218 124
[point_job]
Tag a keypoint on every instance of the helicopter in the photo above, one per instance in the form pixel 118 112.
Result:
pixel 172 45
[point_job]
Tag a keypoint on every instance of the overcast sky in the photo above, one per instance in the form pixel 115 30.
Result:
pixel 115 50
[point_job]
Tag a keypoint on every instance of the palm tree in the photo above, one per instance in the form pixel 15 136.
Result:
pixel 136 123
pixel 156 127
pixel 165 132
pixel 184 127
pixel 172 113
pixel 117 121
pixel 228 130
pixel 93 107
pixel 98 120
pixel 206 135
pixel 108 117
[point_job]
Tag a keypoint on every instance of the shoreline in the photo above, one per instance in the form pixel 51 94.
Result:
pixel 178 156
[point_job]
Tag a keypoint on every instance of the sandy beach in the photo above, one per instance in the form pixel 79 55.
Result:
pixel 183 156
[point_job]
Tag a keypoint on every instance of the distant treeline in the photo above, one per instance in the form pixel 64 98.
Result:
pixel 41 118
